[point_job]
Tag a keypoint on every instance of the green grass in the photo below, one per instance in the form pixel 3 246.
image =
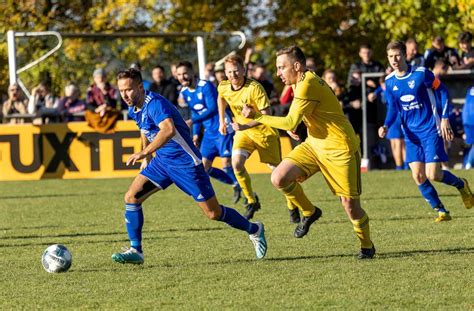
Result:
pixel 194 263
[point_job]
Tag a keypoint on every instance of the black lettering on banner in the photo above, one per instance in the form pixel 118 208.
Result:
pixel 92 140
pixel 61 152
pixel 120 150
pixel 14 141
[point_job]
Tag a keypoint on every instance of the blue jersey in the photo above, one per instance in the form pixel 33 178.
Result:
pixel 420 99
pixel 179 151
pixel 203 104
pixel 468 109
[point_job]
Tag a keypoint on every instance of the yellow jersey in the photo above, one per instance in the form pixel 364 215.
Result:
pixel 315 103
pixel 251 93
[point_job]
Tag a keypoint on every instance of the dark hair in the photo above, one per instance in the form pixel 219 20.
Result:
pixel 465 36
pixel 160 67
pixel 294 52
pixel 185 63
pixel 130 73
pixel 397 45
pixel 365 46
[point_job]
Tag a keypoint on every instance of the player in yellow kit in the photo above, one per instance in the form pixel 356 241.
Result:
pixel 331 147
pixel 250 135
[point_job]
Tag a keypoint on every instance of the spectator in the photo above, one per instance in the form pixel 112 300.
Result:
pixel 15 104
pixel 163 86
pixel 468 122
pixel 311 64
pixel 467 52
pixel 101 104
pixel 219 74
pixel 365 65
pixel 70 104
pixel 209 73
pixel 101 95
pixel 138 66
pixel 395 133
pixel 354 97
pixel 329 76
pixel 440 51
pixel 260 74
pixel 413 57
pixel 43 104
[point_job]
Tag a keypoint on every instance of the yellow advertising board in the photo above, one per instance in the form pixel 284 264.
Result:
pixel 74 150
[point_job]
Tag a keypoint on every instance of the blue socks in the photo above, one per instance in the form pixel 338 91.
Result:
pixel 429 193
pixel 451 180
pixel 134 223
pixel 231 217
pixel 399 168
pixel 220 175
pixel 230 172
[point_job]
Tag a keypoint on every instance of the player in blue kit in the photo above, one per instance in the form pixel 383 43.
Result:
pixel 421 101
pixel 201 97
pixel 176 160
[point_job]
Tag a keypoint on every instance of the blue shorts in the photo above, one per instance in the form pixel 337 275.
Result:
pixel 428 150
pixel 193 180
pixel 396 130
pixel 469 130
pixel 213 145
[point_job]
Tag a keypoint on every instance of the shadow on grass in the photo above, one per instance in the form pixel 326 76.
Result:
pixel 60 195
pixel 387 255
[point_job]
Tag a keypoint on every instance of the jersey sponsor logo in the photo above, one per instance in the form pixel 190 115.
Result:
pixel 395 88
pixel 411 106
pixel 198 107
pixel 411 84
pixel 199 96
pixel 407 98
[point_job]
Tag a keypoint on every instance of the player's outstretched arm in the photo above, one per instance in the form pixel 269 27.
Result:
pixel 167 131
pixel 288 123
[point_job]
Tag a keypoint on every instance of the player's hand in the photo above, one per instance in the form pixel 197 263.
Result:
pixel 239 127
pixel 446 130
pixel 134 158
pixel 382 131
pixel 196 140
pixel 371 97
pixel 293 135
pixel 371 84
pixel 248 112
pixel 145 162
pixel 222 128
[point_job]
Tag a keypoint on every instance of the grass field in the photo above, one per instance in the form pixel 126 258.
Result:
pixel 194 263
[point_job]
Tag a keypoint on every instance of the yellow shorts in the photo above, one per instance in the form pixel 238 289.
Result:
pixel 268 147
pixel 341 170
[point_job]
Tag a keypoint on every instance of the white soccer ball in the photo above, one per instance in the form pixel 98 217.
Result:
pixel 56 258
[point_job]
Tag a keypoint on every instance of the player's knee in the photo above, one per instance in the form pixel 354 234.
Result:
pixel 419 178
pixel 238 166
pixel 130 197
pixel 279 180
pixel 432 176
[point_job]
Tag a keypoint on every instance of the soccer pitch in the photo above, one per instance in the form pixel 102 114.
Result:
pixel 195 263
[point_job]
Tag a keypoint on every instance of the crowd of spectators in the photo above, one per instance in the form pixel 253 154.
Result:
pixel 103 100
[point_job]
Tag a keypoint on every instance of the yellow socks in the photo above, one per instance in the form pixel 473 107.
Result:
pixel 246 184
pixel 362 229
pixel 296 197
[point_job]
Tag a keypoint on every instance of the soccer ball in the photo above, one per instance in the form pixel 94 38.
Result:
pixel 56 258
